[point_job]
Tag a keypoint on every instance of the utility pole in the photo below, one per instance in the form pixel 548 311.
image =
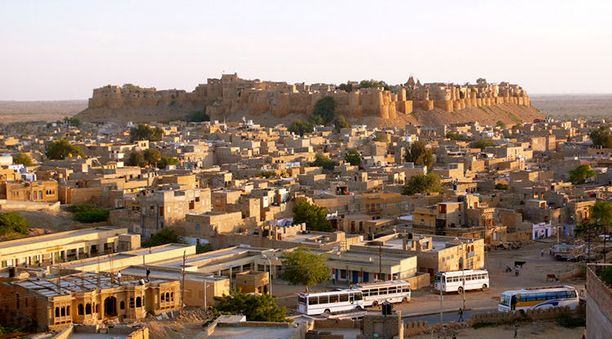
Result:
pixel 183 281
pixel 205 285
pixel 380 261
pixel 463 274
pixel 441 299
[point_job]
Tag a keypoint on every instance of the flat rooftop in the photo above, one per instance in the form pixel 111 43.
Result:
pixel 58 236
pixel 76 283
pixel 258 332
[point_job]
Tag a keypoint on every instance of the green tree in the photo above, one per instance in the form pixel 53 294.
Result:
pixel 457 137
pixel 601 213
pixel 580 174
pixel 202 248
pixel 419 154
pixel 303 267
pixel 341 123
pixel 23 159
pixel 165 236
pixel 152 156
pixel 61 149
pixel 500 124
pixel 301 127
pixel 482 144
pixel 72 121
pixel 501 186
pixel 345 87
pixel 323 161
pixel 353 157
pixel 198 116
pixel 325 110
pixel 13 225
pixel 144 132
pixel 373 84
pixel 602 136
pixel 423 183
pixel 256 307
pixel 165 162
pixel 87 213
pixel 136 158
pixel 314 216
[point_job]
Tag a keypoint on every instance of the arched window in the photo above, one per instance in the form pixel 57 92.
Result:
pixel 57 312
pixel 172 296
pixel 97 308
pixel 80 309
pixel 88 308
pixel 63 311
pixel 122 305
pixel 167 296
pixel 67 310
pixel 138 302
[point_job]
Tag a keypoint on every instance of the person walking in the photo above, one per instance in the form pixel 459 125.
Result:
pixel 460 315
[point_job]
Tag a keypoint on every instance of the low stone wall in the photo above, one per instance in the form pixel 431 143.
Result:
pixel 419 281
pixel 337 323
pixel 64 334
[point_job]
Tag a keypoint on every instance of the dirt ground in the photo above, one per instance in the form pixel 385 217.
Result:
pixel 540 330
pixel 533 274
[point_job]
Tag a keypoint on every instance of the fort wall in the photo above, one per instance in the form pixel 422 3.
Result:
pixel 233 95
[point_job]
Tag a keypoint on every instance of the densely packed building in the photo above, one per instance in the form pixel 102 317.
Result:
pixel 234 188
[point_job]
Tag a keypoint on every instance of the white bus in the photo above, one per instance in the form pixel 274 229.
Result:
pixel 539 297
pixel 394 291
pixel 330 302
pixel 454 281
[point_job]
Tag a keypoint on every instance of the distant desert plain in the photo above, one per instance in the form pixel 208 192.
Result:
pixel 588 105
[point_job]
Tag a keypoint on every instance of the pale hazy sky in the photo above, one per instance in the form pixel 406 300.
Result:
pixel 63 49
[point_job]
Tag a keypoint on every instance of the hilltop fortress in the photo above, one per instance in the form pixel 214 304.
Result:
pixel 231 96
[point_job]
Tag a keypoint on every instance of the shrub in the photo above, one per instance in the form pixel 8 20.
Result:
pixel 87 214
pixel 13 225
pixel 165 236
pixel 256 307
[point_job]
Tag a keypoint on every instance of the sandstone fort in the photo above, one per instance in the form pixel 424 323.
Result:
pixel 233 96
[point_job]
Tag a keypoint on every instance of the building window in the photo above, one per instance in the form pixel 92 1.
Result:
pixel 88 308
pixel 122 305
pixel 138 302
pixel 63 311
pixel 80 309
pixel 167 296
pixel 163 297
pixel 131 302
pixel 57 312
pixel 172 296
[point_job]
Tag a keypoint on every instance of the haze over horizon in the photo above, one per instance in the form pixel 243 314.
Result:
pixel 63 49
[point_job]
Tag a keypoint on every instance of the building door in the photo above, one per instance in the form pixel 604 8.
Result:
pixel 366 276
pixel 110 307
pixel 355 277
